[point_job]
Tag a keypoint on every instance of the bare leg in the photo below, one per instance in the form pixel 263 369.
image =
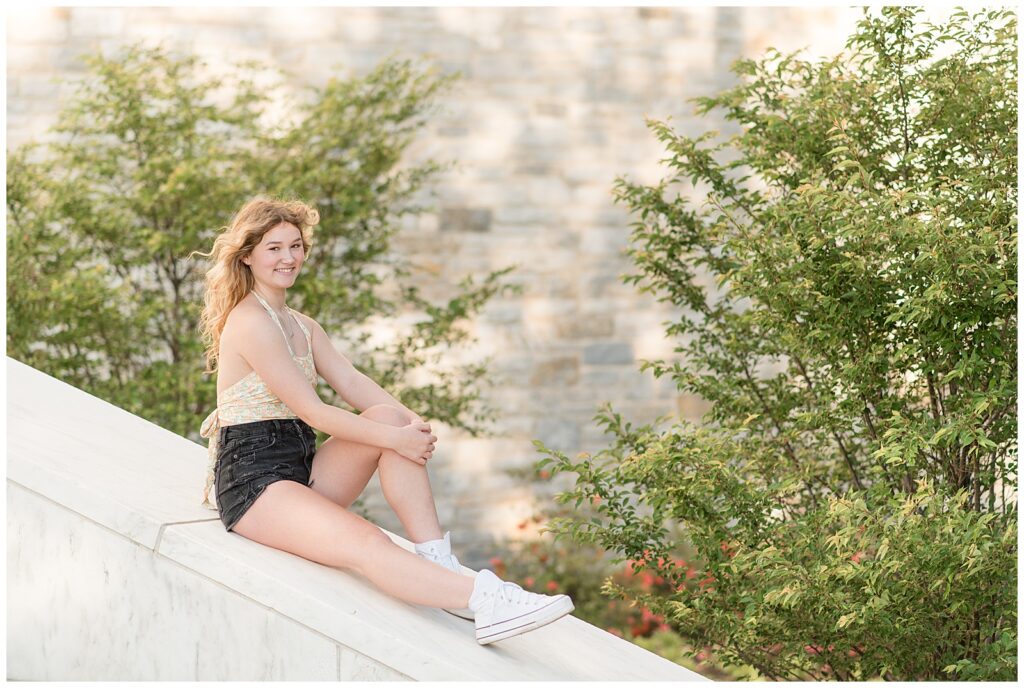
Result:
pixel 341 470
pixel 296 519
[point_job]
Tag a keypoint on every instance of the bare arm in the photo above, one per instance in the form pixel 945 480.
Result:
pixel 263 347
pixel 354 387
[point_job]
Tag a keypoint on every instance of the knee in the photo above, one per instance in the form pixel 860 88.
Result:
pixel 366 546
pixel 372 536
pixel 382 413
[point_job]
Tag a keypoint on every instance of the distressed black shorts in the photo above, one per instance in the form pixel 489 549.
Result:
pixel 250 456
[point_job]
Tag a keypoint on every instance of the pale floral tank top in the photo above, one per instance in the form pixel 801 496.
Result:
pixel 250 400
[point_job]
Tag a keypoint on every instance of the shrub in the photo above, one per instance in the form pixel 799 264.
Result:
pixel 582 571
pixel 151 157
pixel 851 493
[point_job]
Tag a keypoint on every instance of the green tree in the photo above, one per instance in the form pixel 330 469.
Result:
pixel 851 494
pixel 150 159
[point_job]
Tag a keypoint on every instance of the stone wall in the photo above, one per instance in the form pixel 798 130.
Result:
pixel 549 111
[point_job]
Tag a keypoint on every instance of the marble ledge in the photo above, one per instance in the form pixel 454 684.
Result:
pixel 109 476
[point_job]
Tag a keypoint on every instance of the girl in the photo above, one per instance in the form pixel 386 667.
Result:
pixel 274 486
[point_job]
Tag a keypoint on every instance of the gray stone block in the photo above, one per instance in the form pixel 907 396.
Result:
pixel 559 433
pixel 560 371
pixel 585 327
pixel 462 219
pixel 608 353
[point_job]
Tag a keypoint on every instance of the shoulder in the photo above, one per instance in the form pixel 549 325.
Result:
pixel 244 318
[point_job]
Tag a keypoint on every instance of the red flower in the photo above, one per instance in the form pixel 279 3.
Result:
pixel 529 581
pixel 856 558
pixel 552 586
pixel 544 475
pixel 522 524
pixel 496 562
pixel 595 500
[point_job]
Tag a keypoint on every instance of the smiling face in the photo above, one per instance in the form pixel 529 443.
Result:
pixel 277 259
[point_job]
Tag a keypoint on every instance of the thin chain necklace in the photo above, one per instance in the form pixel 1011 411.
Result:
pixel 281 319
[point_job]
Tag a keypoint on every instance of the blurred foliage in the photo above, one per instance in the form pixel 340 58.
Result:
pixel 149 161
pixel 584 572
pixel 850 497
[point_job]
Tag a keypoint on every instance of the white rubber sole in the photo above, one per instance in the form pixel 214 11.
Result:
pixel 555 610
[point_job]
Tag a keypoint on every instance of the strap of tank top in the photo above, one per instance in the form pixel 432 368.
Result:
pixel 274 316
pixel 302 326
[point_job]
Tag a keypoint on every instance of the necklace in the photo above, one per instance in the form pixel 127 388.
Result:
pixel 280 318
pixel 287 328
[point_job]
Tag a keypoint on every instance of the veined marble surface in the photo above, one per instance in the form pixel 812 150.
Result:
pixel 86 604
pixel 105 463
pixel 116 572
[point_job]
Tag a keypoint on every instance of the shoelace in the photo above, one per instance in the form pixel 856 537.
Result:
pixel 512 593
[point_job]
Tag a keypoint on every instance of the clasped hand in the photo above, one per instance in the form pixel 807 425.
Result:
pixel 415 442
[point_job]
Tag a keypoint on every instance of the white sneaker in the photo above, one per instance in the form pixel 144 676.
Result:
pixel 504 609
pixel 440 552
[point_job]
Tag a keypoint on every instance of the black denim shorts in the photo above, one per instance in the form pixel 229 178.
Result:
pixel 250 456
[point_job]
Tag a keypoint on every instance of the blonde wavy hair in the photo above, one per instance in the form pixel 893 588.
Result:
pixel 230 280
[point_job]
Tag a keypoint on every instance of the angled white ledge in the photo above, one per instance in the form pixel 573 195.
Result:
pixel 116 572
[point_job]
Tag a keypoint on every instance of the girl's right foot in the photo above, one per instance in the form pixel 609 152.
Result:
pixel 504 609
